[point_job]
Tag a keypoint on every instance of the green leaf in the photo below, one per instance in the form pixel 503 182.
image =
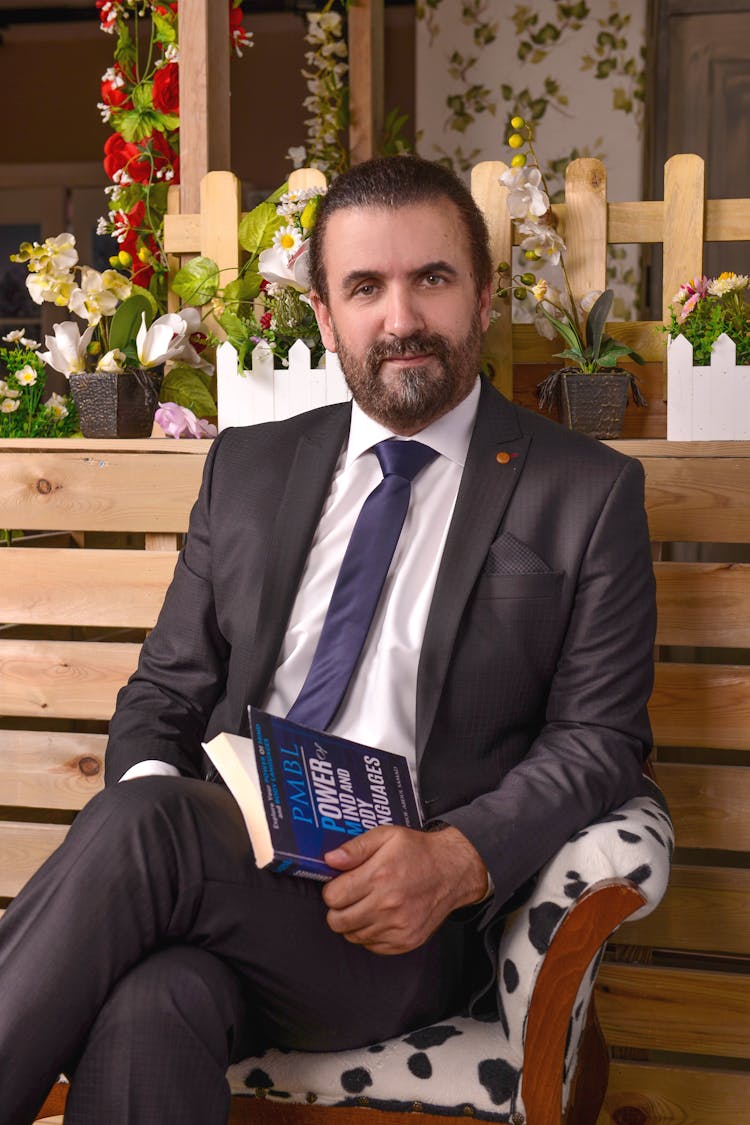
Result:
pixel 197 282
pixel 137 124
pixel 596 320
pixel 233 326
pixel 567 332
pixel 258 227
pixel 183 385
pixel 165 28
pixel 275 196
pixel 127 320
pixel 243 289
pixel 143 96
pixel 138 291
pixel 166 122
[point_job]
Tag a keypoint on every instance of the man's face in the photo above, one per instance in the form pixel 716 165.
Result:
pixel 403 311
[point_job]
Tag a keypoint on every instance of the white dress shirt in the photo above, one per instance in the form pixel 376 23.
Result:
pixel 379 708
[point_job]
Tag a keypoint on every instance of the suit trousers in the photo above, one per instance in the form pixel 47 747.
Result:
pixel 149 952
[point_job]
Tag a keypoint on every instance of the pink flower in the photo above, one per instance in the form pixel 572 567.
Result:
pixel 177 421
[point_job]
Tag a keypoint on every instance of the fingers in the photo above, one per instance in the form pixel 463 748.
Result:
pixel 358 849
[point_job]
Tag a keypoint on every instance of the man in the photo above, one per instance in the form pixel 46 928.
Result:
pixel 508 657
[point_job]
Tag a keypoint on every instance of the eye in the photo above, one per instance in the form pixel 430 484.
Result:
pixel 432 280
pixel 365 289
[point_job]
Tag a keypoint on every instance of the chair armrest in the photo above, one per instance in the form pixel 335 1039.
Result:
pixel 616 868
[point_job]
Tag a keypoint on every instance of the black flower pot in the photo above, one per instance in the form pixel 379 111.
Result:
pixel 111 406
pixel 594 404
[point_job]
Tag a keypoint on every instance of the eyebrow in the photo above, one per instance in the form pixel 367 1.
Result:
pixel 440 266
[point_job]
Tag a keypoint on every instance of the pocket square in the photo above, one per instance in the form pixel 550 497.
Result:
pixel 509 555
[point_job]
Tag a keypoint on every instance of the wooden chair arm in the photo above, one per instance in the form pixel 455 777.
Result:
pixel 578 938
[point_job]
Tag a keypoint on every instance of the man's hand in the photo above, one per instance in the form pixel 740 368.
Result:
pixel 398 885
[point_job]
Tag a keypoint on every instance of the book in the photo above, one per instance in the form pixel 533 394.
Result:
pixel 304 792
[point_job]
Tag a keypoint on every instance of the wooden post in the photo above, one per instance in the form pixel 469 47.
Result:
pixel 204 95
pixel 490 196
pixel 366 50
pixel 586 226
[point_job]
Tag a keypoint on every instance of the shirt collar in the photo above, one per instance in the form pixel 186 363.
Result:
pixel 449 435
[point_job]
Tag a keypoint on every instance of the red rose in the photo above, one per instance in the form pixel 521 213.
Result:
pixel 117 154
pixel 166 91
pixel 136 215
pixel 115 92
pixel 151 156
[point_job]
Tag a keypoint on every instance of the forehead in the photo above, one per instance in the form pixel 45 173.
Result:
pixel 389 240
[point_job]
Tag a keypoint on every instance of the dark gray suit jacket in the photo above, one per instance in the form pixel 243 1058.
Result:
pixel 537 658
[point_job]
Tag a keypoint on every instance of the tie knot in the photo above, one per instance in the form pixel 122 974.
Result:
pixel 403 458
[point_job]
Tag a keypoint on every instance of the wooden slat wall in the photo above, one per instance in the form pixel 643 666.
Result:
pixel 696 492
pixel 702 705
pixel 24 848
pixel 705 909
pixel 675 1095
pixel 108 588
pixel 63 679
pixel 97 486
pixel 50 769
pixel 695 1011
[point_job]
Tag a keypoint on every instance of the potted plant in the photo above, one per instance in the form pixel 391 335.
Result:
pixel 708 360
pixel 115 364
pixel 591 390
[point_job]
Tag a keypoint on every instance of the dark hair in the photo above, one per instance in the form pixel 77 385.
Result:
pixel 399 181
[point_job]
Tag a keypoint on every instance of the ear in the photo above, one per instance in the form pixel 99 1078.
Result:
pixel 325 324
pixel 485 306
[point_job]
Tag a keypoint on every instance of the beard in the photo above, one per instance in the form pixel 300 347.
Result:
pixel 414 396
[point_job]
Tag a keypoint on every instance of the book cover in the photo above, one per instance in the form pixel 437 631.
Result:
pixel 304 792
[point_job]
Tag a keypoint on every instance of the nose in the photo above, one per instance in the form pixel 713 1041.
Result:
pixel 402 314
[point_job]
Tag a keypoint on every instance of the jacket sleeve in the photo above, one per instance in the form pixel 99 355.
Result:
pixel 587 757
pixel 163 710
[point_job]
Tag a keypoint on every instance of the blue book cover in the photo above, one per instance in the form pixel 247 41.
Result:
pixel 304 792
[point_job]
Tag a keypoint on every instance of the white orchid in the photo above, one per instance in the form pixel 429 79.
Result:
pixel 543 240
pixel 67 348
pixel 116 283
pixel 50 286
pixel 57 254
pixel 526 196
pixel 284 269
pixel 160 342
pixel 94 298
pixel 113 362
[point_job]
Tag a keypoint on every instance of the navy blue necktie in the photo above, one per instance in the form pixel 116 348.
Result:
pixel 360 582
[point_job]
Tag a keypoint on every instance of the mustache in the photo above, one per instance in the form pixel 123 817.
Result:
pixel 419 343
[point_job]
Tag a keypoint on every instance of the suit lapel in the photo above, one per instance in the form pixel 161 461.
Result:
pixel 311 469
pixel 487 485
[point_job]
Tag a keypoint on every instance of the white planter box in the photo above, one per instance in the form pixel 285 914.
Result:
pixel 707 403
pixel 263 393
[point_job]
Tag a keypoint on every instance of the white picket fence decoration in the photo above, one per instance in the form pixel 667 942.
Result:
pixel 707 403
pixel 263 393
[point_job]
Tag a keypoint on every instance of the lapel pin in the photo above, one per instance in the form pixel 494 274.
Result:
pixel 503 457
